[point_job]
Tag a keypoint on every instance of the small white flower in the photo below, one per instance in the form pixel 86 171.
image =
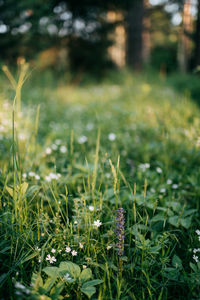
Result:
pixel 58 142
pixel 196 250
pixel 54 146
pixel 51 259
pixel 82 139
pixel 174 186
pixel 89 126
pixel 112 136
pixel 37 248
pixel 152 190
pixel 158 170
pixel 48 178
pixel 75 222
pixel 68 249
pixel 24 175
pixel 53 250
pixel 169 181
pixel 39 260
pixel 91 208
pixel 67 277
pixel 81 245
pixel 74 253
pixel 48 150
pixel 84 267
pixel 195 257
pixel 163 190
pixel 97 223
pixel 37 177
pixel 63 149
pixel 197 231
pixel 31 174
pixel 108 247
pixel 107 175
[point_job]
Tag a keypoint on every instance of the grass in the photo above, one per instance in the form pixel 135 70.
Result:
pixel 71 157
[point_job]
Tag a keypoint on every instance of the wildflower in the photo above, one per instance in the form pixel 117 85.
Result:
pixel 163 190
pixel 197 232
pixel 152 190
pixel 81 245
pixel 82 139
pixel 39 260
pixel 196 250
pixel 112 136
pixel 48 150
pixel 53 250
pixel 108 247
pixel 37 177
pixel 195 257
pixel 120 220
pixel 74 253
pixel 84 267
pixel 38 249
pixel 89 126
pixel 67 277
pixel 24 175
pixel 54 147
pixel 158 170
pixel 68 249
pixel 174 186
pixel 75 222
pixel 91 208
pixel 97 223
pixel 48 178
pixel 51 259
pixel 169 181
pixel 63 149
pixel 31 174
pixel 58 142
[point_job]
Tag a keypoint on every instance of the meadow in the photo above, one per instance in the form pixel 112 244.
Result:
pixel 99 188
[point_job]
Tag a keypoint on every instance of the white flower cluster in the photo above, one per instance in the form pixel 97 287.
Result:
pixel 31 175
pixel 196 250
pixel 82 139
pixel 56 147
pixel 68 250
pixel 52 176
pixel 21 289
pixel 143 167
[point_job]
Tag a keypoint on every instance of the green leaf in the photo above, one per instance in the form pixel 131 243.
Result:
pixel 56 291
pixel 49 283
pixel 186 222
pixel 69 267
pixel 174 221
pixel 88 291
pixel 36 281
pixel 51 271
pixel 85 275
pixel 92 283
pixel 193 267
pixel 176 262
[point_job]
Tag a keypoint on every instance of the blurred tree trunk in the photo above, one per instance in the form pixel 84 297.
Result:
pixel 134 28
pixel 146 39
pixel 184 47
pixel 197 37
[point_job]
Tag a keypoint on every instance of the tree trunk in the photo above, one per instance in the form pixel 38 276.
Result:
pixel 134 28
pixel 197 37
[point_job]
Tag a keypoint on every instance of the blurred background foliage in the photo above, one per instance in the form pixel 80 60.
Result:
pixel 92 36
